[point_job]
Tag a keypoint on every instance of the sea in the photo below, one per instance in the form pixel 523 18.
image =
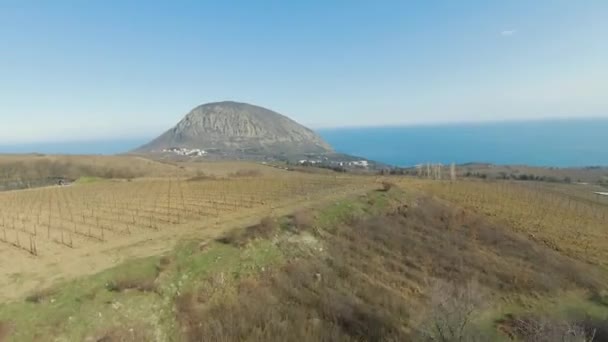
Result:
pixel 557 143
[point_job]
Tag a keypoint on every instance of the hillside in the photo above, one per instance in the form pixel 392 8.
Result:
pixel 35 170
pixel 233 128
pixel 389 265
pixel 38 170
pixel 591 175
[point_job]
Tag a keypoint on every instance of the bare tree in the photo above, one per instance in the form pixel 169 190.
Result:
pixel 438 171
pixel 546 330
pixel 451 310
pixel 453 172
pixel 419 170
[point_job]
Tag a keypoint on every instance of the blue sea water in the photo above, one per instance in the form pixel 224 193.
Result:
pixel 104 147
pixel 559 143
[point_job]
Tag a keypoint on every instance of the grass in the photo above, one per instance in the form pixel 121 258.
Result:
pixel 120 299
pixel 140 292
pixel 88 180
pixel 359 269
pixel 77 309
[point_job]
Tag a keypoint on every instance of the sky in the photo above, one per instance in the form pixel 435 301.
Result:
pixel 85 70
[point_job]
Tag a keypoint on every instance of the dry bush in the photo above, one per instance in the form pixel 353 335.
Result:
pixel 246 173
pixel 594 326
pixel 40 296
pixel 445 243
pixel 437 240
pixel 305 300
pixel 373 273
pixel 359 321
pixel 232 237
pixel 185 311
pixel 349 307
pixel 264 229
pixel 5 330
pixel 303 219
pixel 163 263
pixel 201 176
pixel 125 282
pixel 542 329
pixel 451 311
pixel 240 237
pixel 387 186
pixel 294 304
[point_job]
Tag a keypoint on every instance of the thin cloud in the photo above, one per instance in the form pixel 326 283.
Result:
pixel 507 33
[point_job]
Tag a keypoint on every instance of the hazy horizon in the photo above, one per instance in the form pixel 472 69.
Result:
pixel 557 143
pixel 143 138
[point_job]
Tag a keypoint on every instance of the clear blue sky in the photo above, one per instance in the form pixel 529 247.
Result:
pixel 74 70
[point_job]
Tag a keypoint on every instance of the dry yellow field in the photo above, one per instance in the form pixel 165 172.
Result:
pixel 32 167
pixel 562 219
pixel 61 232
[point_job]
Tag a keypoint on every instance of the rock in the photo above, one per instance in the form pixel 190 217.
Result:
pixel 232 126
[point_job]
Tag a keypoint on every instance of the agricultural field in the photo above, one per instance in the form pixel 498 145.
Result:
pixel 241 251
pixel 567 218
pixel 391 264
pixel 84 227
pixel 591 175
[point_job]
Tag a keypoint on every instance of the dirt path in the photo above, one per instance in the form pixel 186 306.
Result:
pixel 22 273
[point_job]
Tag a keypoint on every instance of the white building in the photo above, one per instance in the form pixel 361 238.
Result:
pixel 182 151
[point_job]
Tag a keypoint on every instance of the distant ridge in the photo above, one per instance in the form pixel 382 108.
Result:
pixel 238 127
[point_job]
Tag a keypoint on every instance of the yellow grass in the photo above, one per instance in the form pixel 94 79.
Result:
pixel 575 226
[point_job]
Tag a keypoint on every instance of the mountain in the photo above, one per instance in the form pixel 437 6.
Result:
pixel 235 128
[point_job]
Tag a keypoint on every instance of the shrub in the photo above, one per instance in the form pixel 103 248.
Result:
pixel 240 238
pixel 201 176
pixel 246 173
pixel 185 309
pixel 451 310
pixel 134 280
pixel 542 329
pixel 123 284
pixel 163 263
pixel 303 219
pixel 263 230
pixel 232 237
pixel 39 296
pixel 386 185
